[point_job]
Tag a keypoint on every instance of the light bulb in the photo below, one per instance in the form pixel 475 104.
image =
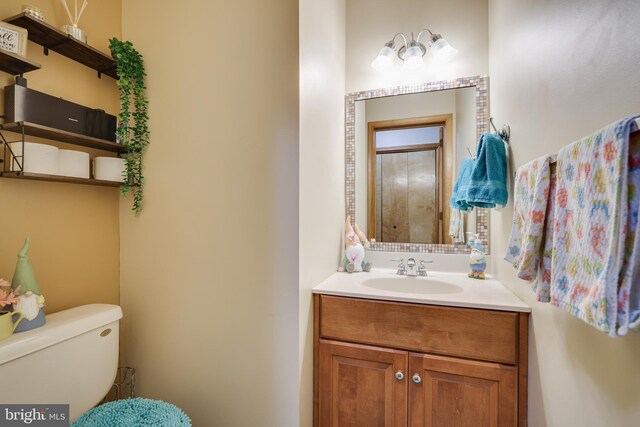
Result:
pixel 442 51
pixel 384 60
pixel 413 58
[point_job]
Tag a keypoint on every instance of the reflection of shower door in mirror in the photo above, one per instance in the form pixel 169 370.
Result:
pixel 407 162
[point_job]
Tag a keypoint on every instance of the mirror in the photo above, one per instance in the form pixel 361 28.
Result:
pixel 404 149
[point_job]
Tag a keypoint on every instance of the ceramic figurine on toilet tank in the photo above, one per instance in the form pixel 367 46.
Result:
pixel 355 247
pixel 30 300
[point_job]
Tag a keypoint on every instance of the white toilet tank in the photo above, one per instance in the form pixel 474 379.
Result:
pixel 72 359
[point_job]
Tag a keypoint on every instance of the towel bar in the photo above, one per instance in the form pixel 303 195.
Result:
pixel 505 133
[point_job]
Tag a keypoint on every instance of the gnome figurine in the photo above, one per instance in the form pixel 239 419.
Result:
pixel 354 249
pixel 363 238
pixel 30 300
pixel 478 264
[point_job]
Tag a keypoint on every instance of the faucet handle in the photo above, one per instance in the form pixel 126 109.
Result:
pixel 422 269
pixel 401 268
pixel 400 260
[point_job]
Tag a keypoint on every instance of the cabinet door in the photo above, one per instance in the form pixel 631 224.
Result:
pixel 451 392
pixel 362 386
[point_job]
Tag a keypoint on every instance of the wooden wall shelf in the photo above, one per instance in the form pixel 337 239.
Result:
pixel 16 64
pixel 40 131
pixel 58 178
pixel 54 39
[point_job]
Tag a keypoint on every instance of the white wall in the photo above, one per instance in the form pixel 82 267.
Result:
pixel 371 23
pixel 559 71
pixel 465 138
pixel 322 89
pixel 209 270
pixel 465 124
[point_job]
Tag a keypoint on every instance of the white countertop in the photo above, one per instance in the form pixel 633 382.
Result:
pixel 438 288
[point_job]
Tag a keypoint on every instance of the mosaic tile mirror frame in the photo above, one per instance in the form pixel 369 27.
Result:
pixel 481 85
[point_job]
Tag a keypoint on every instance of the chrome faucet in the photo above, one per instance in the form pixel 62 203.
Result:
pixel 411 267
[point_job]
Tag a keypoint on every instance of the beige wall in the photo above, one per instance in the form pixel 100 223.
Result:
pixel 371 23
pixel 73 228
pixel 559 71
pixel 209 269
pixel 322 44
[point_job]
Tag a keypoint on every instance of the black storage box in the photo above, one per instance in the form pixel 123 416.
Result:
pixel 24 104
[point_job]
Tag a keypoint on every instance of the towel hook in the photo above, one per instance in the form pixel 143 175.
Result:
pixel 493 125
pixel 504 132
pixel 470 153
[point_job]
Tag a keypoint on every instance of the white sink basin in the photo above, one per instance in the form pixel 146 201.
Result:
pixel 438 288
pixel 412 285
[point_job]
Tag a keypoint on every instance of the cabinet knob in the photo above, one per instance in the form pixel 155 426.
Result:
pixel 399 376
pixel 416 379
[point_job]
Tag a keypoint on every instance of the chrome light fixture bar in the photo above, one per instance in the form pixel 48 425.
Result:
pixel 411 53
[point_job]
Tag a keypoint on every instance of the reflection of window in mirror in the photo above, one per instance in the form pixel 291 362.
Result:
pixel 409 182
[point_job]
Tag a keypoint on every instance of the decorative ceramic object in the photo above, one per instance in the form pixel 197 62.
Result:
pixel 353 259
pixel 30 299
pixel 7 324
pixel 355 255
pixel 478 264
pixel 73 30
pixel 33 11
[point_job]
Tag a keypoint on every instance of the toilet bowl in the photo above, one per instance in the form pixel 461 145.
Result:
pixel 72 360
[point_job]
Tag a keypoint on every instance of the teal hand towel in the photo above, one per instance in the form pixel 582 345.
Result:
pixel 488 183
pixel 459 196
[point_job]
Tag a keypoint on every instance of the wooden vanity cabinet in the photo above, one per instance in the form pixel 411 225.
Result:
pixel 363 389
pixel 460 392
pixel 365 375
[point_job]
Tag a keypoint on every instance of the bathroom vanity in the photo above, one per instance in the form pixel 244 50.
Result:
pixel 442 350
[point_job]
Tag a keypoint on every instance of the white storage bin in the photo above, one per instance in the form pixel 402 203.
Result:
pixel 108 168
pixel 73 163
pixel 38 158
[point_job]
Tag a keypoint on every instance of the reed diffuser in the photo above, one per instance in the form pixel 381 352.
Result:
pixel 73 29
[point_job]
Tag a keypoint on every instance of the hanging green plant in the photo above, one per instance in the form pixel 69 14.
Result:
pixel 132 127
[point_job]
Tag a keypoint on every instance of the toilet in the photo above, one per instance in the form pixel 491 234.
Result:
pixel 72 359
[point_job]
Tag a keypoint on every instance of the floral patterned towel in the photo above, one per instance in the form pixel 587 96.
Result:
pixel 542 283
pixel 629 282
pixel 590 231
pixel 529 211
pixel 456 226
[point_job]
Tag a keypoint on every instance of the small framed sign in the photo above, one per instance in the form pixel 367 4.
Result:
pixel 13 39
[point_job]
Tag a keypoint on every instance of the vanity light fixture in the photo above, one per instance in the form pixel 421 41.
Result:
pixel 412 52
